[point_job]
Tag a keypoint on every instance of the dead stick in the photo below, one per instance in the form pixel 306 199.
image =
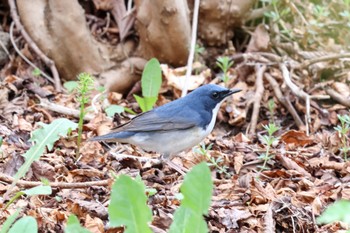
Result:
pixel 63 110
pixel 338 97
pixel 284 101
pixel 259 85
pixel 35 48
pixel 23 183
pixel 298 92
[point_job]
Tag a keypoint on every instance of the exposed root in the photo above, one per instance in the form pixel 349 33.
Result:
pixel 50 63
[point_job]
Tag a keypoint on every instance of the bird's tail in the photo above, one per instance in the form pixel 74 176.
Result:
pixel 113 137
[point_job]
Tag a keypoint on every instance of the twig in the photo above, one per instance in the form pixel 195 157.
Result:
pixel 298 92
pixel 284 100
pixel 338 97
pixel 324 58
pixel 63 110
pixel 259 85
pixel 23 183
pixel 193 46
pixel 34 47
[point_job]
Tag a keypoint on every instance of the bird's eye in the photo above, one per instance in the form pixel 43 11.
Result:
pixel 215 95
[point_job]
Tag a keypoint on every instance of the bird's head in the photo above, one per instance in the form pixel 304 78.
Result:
pixel 211 95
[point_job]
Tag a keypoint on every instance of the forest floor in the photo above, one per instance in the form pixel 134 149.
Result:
pixel 305 170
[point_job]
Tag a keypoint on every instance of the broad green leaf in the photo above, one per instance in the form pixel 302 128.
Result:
pixel 71 86
pixel 73 225
pixel 141 102
pixel 128 206
pixel 186 221
pixel 38 190
pixel 26 224
pixel 113 109
pixel 197 189
pixel 9 221
pixel 151 78
pixel 338 211
pixel 43 137
pixel 146 103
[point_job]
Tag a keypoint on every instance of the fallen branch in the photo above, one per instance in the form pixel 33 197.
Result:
pixel 34 47
pixel 338 97
pixel 63 110
pixel 298 92
pixel 284 101
pixel 307 63
pixel 23 183
pixel 259 85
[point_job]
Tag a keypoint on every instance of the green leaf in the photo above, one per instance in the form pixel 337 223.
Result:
pixel 111 110
pixel 151 78
pixel 73 225
pixel 26 224
pixel 71 86
pixel 338 211
pixel 9 221
pixel 36 72
pixel 38 190
pixel 43 137
pixel 128 206
pixel 197 189
pixel 185 221
pixel 146 103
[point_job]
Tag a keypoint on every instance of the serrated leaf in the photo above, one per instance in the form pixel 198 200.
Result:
pixel 128 206
pixel 73 225
pixel 9 221
pixel 26 224
pixel 48 134
pixel 197 189
pixel 185 221
pixel 45 136
pixel 151 78
pixel 338 211
pixel 111 110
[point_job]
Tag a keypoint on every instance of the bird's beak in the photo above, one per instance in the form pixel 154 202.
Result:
pixel 230 92
pixel 235 90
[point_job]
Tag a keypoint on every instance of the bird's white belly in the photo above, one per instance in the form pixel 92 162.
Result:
pixel 169 142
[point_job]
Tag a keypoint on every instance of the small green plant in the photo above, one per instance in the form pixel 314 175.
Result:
pixel 271 106
pixel 151 82
pixel 338 211
pixel 343 130
pixel 84 88
pixel 224 63
pixel 198 50
pixel 212 162
pixel 73 225
pixel 268 140
pixel 36 72
pixel 128 205
pixel 44 189
pixel 43 137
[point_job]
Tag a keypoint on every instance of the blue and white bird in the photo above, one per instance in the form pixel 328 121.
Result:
pixel 175 126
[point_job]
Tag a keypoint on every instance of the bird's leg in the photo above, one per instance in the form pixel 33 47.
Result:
pixel 167 159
